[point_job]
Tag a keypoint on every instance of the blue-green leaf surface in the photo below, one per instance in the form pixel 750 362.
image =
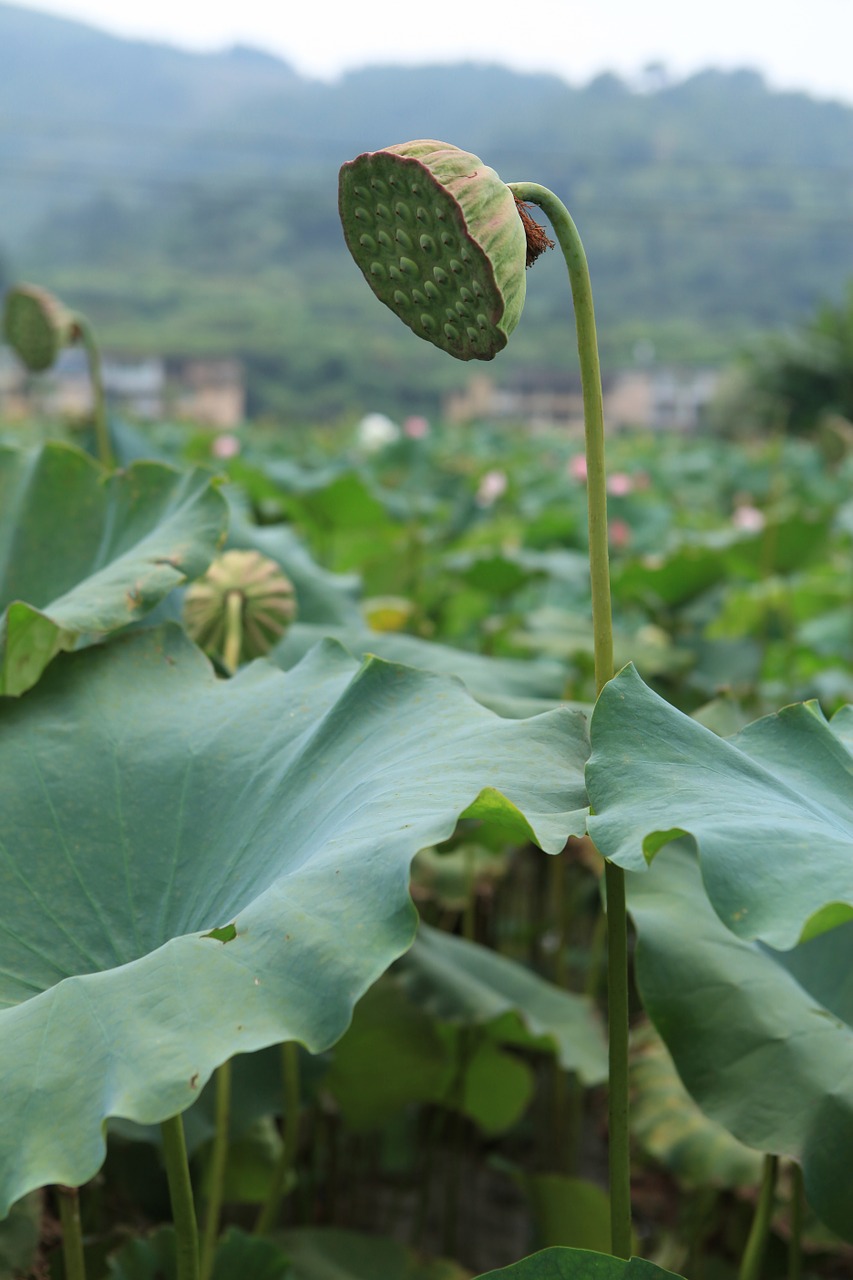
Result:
pixel 770 809
pixel 510 686
pixel 145 804
pixel 84 552
pixel 762 1039
pixel 459 981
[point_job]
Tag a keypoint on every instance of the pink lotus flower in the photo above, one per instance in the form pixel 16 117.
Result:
pixel 577 466
pixel 225 446
pixel 619 484
pixel 619 533
pixel 416 428
pixel 748 518
pixel 493 485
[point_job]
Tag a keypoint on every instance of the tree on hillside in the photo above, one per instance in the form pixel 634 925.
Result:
pixel 795 381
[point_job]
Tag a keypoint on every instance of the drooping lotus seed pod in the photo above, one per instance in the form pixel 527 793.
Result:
pixel 240 608
pixel 440 241
pixel 37 326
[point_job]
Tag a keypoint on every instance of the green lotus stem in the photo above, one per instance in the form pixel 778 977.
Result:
pixel 72 1233
pixel 469 917
pixel 287 1159
pixel 218 1165
pixel 756 1245
pixel 233 629
pixel 99 406
pixel 599 560
pixel 602 628
pixel 181 1196
pixel 617 1023
pixel 795 1248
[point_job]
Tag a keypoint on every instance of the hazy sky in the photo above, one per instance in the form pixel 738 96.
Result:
pixel 803 44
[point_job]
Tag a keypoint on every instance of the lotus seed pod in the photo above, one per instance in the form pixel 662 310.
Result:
pixel 240 608
pixel 37 326
pixel 438 238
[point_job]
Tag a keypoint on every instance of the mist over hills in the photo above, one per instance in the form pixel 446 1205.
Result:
pixel 188 202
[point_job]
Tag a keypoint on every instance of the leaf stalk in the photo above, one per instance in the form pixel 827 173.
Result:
pixel 756 1246
pixel 72 1233
pixel 218 1166
pixel 181 1196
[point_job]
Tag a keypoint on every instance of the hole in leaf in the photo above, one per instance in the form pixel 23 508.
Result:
pixel 226 934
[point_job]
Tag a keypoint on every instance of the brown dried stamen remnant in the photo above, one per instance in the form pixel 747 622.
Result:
pixel 537 241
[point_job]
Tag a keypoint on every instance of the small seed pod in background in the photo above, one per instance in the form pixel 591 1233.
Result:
pixel 37 326
pixel 439 239
pixel 240 608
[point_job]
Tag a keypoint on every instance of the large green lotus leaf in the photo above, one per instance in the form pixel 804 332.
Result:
pixel 511 686
pixel 459 981
pixel 144 803
pixel 415 1061
pixel 423 1060
pixel 577 1264
pixel 318 1253
pixel 763 1040
pixel 84 552
pixel 669 1126
pixel 20 1234
pixel 322 597
pixel 770 810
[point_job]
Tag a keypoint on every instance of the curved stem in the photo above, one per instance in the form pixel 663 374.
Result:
pixel 218 1164
pixel 756 1245
pixel 99 404
pixel 602 628
pixel 181 1196
pixel 72 1233
pixel 599 560
pixel 287 1159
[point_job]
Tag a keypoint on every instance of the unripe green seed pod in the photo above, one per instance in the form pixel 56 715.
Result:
pixel 240 608
pixel 37 326
pixel 439 239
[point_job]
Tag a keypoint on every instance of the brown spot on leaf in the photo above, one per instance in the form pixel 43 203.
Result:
pixel 194 1080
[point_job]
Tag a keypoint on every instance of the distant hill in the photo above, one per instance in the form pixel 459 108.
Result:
pixel 189 201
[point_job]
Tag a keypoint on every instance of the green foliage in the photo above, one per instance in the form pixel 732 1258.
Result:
pixel 797 381
pixel 249 794
pixel 153 1258
pixel 761 1038
pixel 768 810
pixel 83 553
pixel 349 1255
pixel 577 1264
pixel 265 743
pixel 672 1128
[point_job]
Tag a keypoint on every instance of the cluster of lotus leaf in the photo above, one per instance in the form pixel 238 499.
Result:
pixel 196 867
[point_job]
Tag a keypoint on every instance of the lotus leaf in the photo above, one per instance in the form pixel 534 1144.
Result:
pixel 459 981
pixel 194 868
pixel 763 1040
pixel 770 810
pixel 84 552
pixel 577 1264
pixel 510 686
pixel 322 597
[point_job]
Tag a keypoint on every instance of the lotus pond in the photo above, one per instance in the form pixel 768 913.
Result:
pixel 320 804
